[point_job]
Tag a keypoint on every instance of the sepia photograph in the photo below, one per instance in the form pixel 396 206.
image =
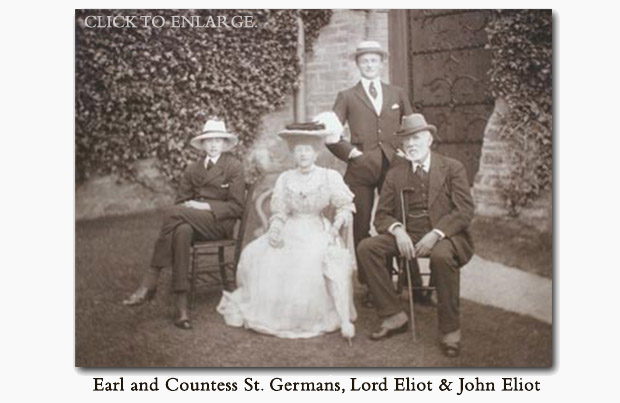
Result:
pixel 314 188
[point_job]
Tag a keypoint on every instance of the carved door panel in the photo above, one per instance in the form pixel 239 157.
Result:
pixel 447 66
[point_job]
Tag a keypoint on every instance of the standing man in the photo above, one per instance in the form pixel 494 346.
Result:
pixel 439 212
pixel 373 111
pixel 209 202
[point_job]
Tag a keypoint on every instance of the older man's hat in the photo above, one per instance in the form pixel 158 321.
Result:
pixel 370 47
pixel 215 128
pixel 414 123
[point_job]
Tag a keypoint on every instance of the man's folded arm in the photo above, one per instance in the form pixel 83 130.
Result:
pixel 233 206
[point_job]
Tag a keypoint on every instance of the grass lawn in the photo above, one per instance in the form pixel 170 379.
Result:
pixel 111 254
pixel 514 244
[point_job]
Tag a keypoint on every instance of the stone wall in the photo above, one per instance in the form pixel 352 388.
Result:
pixel 494 163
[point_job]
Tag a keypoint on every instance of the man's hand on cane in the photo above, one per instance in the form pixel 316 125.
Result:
pixel 404 243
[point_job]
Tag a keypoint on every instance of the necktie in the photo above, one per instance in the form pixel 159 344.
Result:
pixel 419 170
pixel 372 90
pixel 210 164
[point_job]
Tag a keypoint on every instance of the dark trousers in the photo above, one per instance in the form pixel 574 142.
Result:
pixel 444 267
pixel 363 178
pixel 183 226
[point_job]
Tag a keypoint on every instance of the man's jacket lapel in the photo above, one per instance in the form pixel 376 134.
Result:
pixel 361 94
pixel 437 177
pixel 388 98
pixel 215 171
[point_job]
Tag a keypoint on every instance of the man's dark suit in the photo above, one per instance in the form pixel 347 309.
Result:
pixel 223 187
pixel 450 210
pixel 373 135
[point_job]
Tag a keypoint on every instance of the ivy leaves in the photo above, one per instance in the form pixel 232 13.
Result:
pixel 521 74
pixel 146 91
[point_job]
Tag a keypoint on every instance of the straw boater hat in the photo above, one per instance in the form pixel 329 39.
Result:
pixel 414 123
pixel 215 128
pixel 370 47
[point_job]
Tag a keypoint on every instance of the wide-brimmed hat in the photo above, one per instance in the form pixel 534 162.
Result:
pixel 215 128
pixel 370 47
pixel 311 132
pixel 414 123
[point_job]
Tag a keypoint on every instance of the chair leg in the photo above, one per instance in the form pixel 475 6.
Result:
pixel 222 264
pixel 194 279
pixel 233 271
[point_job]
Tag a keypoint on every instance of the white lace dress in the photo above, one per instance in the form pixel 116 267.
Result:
pixel 303 288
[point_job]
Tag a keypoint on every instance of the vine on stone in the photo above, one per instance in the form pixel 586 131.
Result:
pixel 521 45
pixel 144 92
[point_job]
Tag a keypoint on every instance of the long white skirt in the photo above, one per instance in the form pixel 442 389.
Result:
pixel 292 291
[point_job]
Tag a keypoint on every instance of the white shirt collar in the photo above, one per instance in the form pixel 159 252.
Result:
pixel 212 159
pixel 366 83
pixel 426 164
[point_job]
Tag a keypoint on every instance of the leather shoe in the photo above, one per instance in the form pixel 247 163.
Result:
pixel 139 297
pixel 182 321
pixel 451 350
pixel 184 324
pixel 385 333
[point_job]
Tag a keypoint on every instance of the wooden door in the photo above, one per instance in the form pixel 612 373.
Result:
pixel 439 56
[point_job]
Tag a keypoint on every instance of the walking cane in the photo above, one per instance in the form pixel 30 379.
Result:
pixel 407 266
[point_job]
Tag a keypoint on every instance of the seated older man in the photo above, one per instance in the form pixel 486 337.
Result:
pixel 440 209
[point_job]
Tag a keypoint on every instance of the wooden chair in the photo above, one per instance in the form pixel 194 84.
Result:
pixel 204 273
pixel 411 269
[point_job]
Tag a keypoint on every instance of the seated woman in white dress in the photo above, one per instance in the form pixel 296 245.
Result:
pixel 295 281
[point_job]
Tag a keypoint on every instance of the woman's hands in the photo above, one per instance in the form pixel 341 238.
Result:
pixel 341 220
pixel 275 236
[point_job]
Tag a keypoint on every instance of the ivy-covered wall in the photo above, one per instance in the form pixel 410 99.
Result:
pixel 144 92
pixel 516 169
pixel 329 69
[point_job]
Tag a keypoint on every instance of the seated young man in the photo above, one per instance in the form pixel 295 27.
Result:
pixel 208 203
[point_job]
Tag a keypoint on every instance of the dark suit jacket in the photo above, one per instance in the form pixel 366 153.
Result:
pixel 370 133
pixel 450 205
pixel 222 186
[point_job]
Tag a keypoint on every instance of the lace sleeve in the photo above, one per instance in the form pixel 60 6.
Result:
pixel 280 208
pixel 341 196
